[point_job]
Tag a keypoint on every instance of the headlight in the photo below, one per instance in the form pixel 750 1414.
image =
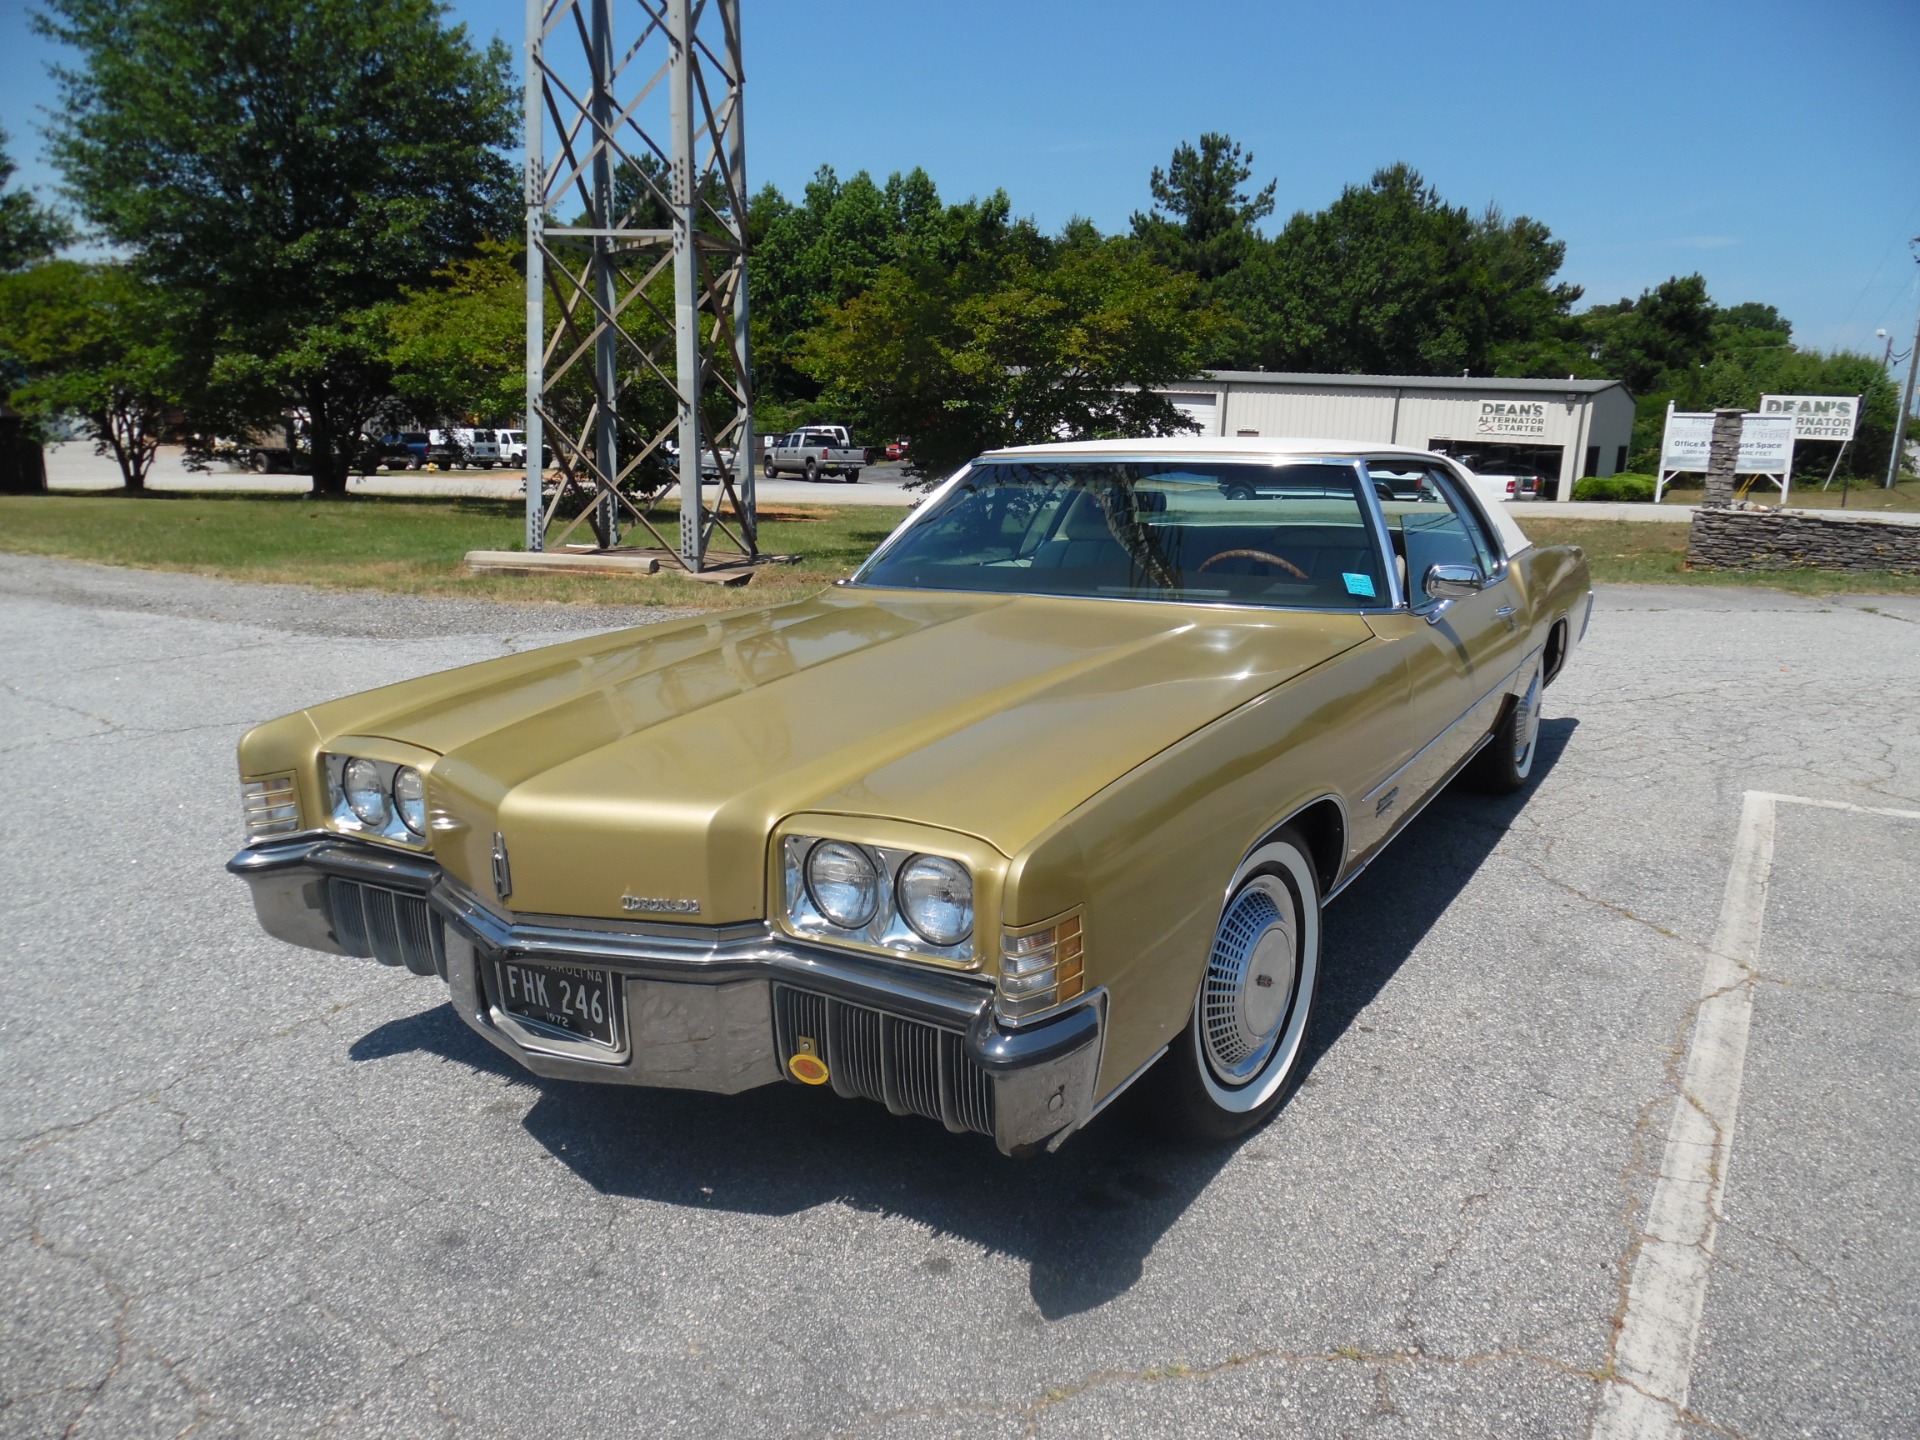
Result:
pixel 843 883
pixel 936 898
pixel 376 798
pixel 410 799
pixel 366 794
pixel 885 899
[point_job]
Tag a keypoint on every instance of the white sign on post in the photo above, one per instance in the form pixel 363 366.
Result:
pixel 1766 444
pixel 1816 417
pixel 1766 447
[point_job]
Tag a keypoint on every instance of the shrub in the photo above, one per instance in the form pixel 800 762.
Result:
pixel 1614 487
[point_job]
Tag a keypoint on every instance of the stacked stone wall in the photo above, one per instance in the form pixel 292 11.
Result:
pixel 1766 538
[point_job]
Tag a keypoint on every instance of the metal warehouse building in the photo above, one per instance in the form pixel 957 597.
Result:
pixel 1560 429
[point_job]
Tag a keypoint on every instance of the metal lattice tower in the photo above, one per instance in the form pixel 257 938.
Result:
pixel 646 340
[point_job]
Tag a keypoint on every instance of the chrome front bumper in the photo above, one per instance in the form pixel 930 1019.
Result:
pixel 706 1008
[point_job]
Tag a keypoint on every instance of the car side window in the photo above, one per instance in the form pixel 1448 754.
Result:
pixel 1429 523
pixel 1486 550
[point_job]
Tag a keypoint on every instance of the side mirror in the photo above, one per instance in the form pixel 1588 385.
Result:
pixel 1447 583
pixel 1452 582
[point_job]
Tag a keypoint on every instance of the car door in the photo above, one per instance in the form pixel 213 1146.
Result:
pixel 1459 653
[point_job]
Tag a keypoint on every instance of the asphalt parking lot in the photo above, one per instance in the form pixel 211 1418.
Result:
pixel 1610 1129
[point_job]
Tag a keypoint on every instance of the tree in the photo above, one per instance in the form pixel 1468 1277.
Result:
pixel 94 344
pixel 1208 229
pixel 458 347
pixel 287 169
pixel 1390 279
pixel 1669 328
pixel 1013 343
pixel 28 230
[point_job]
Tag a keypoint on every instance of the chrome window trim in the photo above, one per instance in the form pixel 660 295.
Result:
pixel 1382 538
pixel 1413 599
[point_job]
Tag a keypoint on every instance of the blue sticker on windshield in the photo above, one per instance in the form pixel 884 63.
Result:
pixel 1359 585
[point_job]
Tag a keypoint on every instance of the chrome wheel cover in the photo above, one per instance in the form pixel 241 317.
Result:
pixel 1251 977
pixel 1273 894
pixel 1526 725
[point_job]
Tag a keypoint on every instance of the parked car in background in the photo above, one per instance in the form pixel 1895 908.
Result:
pixel 1514 484
pixel 897 449
pixel 1046 800
pixel 387 452
pixel 816 451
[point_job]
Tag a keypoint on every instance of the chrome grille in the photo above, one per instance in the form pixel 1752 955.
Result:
pixel 910 1067
pixel 392 927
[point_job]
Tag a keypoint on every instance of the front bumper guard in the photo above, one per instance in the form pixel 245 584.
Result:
pixel 699 1000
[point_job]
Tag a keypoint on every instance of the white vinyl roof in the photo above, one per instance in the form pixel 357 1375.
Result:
pixel 1258 446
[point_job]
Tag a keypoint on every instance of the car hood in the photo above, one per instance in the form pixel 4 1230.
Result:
pixel 657 761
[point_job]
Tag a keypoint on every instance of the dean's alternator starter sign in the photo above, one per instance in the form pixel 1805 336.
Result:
pixel 1518 418
pixel 1816 417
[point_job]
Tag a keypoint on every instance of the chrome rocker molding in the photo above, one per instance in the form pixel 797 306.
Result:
pixel 699 999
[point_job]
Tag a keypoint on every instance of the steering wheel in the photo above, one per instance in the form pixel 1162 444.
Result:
pixel 1261 555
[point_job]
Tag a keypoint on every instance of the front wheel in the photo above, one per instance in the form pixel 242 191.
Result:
pixel 1505 762
pixel 1232 1066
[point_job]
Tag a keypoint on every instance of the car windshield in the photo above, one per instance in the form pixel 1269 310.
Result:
pixel 1292 534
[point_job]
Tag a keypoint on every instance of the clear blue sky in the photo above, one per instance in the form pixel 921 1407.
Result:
pixel 1775 148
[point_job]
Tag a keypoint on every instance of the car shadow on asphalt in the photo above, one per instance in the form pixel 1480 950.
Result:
pixel 1378 920
pixel 1083 1220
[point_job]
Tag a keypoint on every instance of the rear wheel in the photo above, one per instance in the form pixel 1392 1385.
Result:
pixel 811 473
pixel 1506 761
pixel 1232 1066
pixel 853 477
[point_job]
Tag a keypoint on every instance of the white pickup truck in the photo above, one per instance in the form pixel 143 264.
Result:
pixel 814 451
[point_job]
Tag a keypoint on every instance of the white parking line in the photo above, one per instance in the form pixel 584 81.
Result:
pixel 1653 1359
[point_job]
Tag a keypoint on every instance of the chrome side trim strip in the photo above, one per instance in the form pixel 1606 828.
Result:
pixel 1466 715
pixel 1407 819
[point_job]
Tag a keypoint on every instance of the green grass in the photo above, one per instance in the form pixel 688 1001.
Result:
pixel 1651 552
pixel 412 546
pixel 1865 497
pixel 417 546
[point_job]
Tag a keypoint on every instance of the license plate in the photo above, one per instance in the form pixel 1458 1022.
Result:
pixel 566 997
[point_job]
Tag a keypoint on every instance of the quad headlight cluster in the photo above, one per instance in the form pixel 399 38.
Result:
pixel 879 897
pixel 377 798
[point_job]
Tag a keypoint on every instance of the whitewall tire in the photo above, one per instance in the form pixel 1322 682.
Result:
pixel 1240 1053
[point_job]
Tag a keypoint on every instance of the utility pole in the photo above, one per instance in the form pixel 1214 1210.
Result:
pixel 637 327
pixel 1906 398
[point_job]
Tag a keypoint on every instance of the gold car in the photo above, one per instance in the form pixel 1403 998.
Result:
pixel 1050 793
